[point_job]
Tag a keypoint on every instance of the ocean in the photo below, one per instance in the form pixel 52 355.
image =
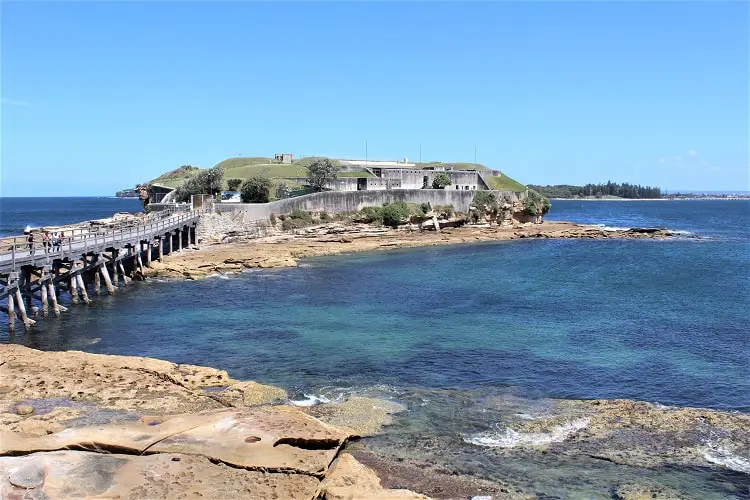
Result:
pixel 444 330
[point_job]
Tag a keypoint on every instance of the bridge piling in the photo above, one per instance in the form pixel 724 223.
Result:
pixel 105 274
pixel 11 314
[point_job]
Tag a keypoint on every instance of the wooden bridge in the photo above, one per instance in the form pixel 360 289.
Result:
pixel 85 257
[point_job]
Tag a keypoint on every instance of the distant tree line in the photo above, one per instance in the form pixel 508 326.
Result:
pixel 624 190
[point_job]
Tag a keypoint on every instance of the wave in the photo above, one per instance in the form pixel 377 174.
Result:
pixel 509 438
pixel 310 400
pixel 721 456
pixel 612 228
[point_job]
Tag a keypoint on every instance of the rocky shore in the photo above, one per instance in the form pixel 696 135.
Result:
pixel 85 425
pixel 76 424
pixel 232 252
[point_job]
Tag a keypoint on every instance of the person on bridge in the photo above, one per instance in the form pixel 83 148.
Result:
pixel 56 241
pixel 46 242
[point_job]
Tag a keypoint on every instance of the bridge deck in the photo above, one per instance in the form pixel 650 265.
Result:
pixel 15 252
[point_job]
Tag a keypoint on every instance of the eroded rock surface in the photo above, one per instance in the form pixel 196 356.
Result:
pixel 84 425
pixel 81 474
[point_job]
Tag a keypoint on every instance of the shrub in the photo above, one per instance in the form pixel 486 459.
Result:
pixel 394 213
pixel 536 204
pixel 425 207
pixel 272 218
pixel 370 215
pixel 440 181
pixel 324 216
pixel 300 215
pixel 234 184
pixel 321 172
pixel 256 189
pixel 446 210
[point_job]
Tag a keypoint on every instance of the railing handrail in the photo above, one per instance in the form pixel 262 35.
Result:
pixel 145 227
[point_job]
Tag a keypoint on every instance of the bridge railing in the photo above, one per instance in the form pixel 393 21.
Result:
pixel 84 240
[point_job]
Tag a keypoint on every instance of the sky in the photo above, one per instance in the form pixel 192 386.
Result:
pixel 99 96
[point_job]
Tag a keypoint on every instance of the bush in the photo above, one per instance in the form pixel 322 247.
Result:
pixel 369 215
pixel 425 207
pixel 324 216
pixel 272 218
pixel 536 204
pixel 394 213
pixel 300 215
pixel 256 189
pixel 445 210
pixel 440 181
pixel 234 184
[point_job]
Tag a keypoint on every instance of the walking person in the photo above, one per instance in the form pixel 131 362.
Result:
pixel 46 242
pixel 55 241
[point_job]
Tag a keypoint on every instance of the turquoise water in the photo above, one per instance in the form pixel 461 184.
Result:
pixel 443 329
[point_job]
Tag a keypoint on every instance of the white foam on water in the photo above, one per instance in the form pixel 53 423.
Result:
pixel 509 438
pixel 721 456
pixel 310 400
pixel 612 228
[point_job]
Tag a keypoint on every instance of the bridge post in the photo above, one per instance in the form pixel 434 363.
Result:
pixel 97 280
pixel 20 303
pixel 105 274
pixel 115 277
pixel 43 289
pixel 149 250
pixel 72 283
pixel 179 240
pixel 12 283
pixel 160 253
pixel 81 284
pixel 56 308
pixel 170 241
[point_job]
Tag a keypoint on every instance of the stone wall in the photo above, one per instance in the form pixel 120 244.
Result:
pixel 334 202
pixel 222 227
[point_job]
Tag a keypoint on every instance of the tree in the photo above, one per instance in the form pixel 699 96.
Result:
pixel 234 184
pixel 321 172
pixel 256 190
pixel 204 182
pixel 536 204
pixel 440 181
pixel 283 191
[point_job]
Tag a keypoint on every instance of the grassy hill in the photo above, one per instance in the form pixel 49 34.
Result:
pixel 243 168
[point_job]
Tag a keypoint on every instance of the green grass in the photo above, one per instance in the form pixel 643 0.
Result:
pixel 241 162
pixel 504 183
pixel 307 161
pixel 274 171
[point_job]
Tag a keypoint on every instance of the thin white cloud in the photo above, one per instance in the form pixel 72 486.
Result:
pixel 661 160
pixel 15 102
pixel 692 152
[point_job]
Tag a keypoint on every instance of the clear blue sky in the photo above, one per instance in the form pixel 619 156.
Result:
pixel 98 96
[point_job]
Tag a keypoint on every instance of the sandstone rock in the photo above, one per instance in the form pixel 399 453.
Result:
pixel 349 480
pixel 252 393
pixel 24 410
pixel 362 416
pixel 80 474
pixel 265 438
